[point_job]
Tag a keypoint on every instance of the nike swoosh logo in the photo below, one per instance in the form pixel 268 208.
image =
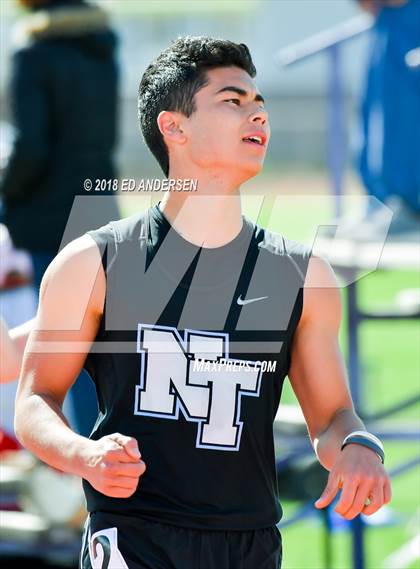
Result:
pixel 242 302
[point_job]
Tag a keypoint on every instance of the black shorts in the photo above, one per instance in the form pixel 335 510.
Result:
pixel 114 542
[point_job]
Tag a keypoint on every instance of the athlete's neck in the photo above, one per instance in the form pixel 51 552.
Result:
pixel 206 220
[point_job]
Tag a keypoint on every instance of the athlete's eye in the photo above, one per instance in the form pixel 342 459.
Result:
pixel 236 101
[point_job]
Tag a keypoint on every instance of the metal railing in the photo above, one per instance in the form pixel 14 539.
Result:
pixel 330 42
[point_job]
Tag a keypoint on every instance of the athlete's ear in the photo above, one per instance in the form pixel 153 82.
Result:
pixel 169 125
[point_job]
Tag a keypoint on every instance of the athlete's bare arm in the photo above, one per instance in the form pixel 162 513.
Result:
pixel 71 303
pixel 318 378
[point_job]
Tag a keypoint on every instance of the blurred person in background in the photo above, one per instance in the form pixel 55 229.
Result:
pixel 388 153
pixel 12 343
pixel 63 92
pixel 64 108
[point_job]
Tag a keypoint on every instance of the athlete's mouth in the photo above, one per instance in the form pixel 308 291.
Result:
pixel 258 139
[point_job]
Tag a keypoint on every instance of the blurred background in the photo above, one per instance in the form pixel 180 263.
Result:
pixel 312 59
pixel 296 97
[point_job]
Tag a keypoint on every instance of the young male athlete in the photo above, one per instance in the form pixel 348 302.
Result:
pixel 188 317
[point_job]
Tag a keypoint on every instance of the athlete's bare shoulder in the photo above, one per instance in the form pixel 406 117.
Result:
pixel 73 285
pixel 321 299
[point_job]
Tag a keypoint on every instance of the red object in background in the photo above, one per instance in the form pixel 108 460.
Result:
pixel 8 442
pixel 15 279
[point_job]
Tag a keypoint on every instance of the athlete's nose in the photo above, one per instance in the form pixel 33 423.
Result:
pixel 259 116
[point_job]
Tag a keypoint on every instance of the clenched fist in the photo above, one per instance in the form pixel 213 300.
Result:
pixel 113 465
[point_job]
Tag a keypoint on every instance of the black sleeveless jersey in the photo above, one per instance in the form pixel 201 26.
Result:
pixel 190 358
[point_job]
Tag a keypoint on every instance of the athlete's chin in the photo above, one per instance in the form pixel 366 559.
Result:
pixel 253 168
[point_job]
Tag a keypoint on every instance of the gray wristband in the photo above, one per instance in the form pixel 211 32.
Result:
pixel 364 441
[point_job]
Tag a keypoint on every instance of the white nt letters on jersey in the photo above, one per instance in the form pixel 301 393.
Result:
pixel 194 375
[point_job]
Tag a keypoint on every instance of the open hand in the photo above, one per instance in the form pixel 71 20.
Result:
pixel 364 482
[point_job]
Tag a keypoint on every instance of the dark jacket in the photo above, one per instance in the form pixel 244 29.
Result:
pixel 64 100
pixel 388 157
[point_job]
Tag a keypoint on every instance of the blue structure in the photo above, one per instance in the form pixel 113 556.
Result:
pixel 388 159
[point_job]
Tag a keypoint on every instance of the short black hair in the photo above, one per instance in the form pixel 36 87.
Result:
pixel 174 77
